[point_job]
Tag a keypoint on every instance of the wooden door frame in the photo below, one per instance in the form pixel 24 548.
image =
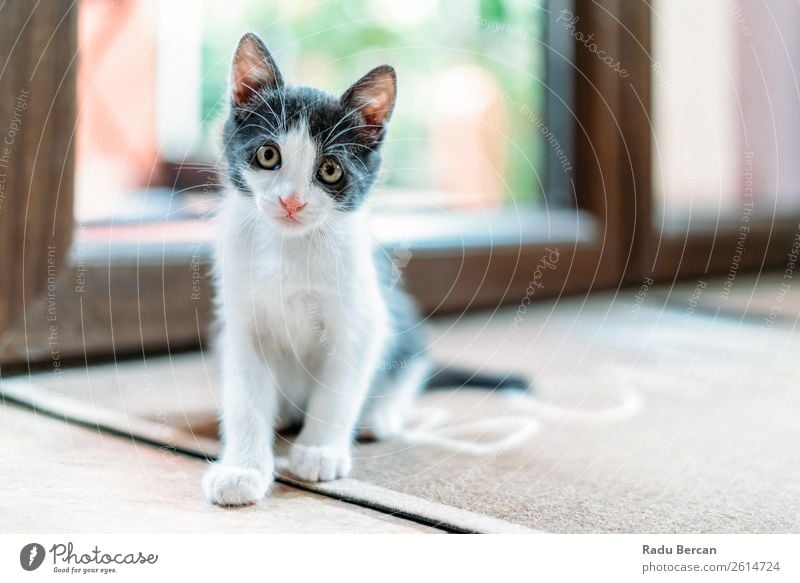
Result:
pixel 37 113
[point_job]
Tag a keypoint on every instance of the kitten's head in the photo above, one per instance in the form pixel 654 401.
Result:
pixel 305 158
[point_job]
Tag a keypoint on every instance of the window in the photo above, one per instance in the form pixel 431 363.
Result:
pixel 467 133
pixel 725 188
pixel 724 118
pixel 586 135
pixel 478 186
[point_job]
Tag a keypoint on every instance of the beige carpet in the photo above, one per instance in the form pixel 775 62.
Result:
pixel 646 418
pixel 771 296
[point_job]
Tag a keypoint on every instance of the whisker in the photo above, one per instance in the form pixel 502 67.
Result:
pixel 345 117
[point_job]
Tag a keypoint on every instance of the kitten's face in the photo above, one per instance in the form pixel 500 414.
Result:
pixel 305 158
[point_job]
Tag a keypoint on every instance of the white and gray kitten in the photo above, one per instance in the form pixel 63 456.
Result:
pixel 313 330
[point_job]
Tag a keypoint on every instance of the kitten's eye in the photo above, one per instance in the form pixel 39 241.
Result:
pixel 330 172
pixel 268 157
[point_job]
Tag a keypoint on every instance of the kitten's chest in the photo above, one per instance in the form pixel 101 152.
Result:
pixel 295 290
pixel 294 301
pixel 286 278
pixel 295 321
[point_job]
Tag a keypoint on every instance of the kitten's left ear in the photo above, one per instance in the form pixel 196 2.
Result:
pixel 374 96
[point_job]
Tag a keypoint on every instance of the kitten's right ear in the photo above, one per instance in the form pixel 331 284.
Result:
pixel 253 70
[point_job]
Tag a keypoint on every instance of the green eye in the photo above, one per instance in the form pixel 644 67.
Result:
pixel 268 157
pixel 330 172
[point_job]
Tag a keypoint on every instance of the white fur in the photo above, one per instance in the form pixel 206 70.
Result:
pixel 385 410
pixel 303 328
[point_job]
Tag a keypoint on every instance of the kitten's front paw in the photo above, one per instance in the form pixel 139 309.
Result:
pixel 234 486
pixel 319 464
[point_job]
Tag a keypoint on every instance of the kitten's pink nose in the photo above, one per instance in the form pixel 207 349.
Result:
pixel 292 204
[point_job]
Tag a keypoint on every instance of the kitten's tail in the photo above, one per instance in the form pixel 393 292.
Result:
pixel 455 377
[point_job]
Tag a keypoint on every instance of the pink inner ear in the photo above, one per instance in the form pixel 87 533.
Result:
pixel 376 109
pixel 376 100
pixel 250 73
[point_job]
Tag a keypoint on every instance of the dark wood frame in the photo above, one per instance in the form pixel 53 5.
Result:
pixel 37 113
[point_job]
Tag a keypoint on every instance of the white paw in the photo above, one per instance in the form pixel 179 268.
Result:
pixel 319 464
pixel 234 486
pixel 381 425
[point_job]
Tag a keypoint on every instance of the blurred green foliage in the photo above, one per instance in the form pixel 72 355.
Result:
pixel 331 43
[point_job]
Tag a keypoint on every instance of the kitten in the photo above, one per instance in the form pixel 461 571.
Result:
pixel 313 328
